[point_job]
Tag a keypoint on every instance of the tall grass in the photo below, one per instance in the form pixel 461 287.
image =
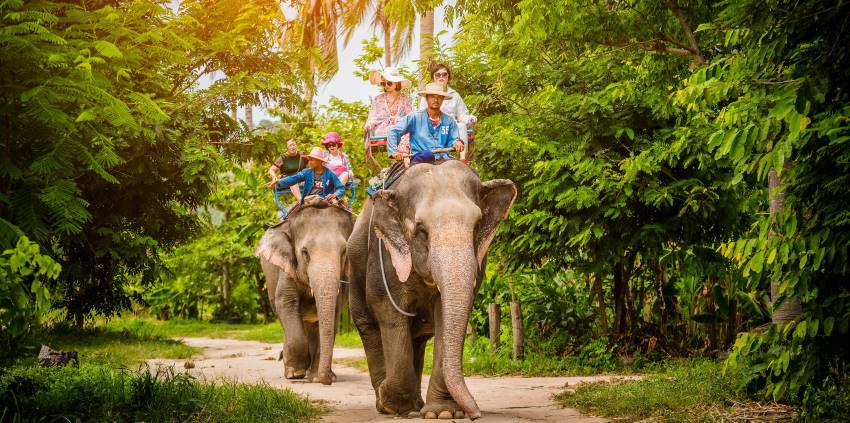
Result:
pixel 99 393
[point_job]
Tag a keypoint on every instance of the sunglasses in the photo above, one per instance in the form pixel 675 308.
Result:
pixel 333 145
pixel 387 83
pixel 441 75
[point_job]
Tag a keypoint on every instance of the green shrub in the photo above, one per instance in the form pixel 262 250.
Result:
pixel 97 393
pixel 828 401
pixel 24 299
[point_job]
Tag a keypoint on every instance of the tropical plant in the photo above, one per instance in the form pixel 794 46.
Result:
pixel 24 297
pixel 108 139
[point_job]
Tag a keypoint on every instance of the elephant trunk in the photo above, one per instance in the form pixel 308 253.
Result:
pixel 325 284
pixel 455 276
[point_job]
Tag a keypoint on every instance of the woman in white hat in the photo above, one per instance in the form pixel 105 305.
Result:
pixel 390 106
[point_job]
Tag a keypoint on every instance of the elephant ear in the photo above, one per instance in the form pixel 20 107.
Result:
pixel 497 197
pixel 388 228
pixel 276 247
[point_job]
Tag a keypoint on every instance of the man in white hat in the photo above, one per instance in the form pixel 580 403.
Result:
pixel 317 179
pixel 429 129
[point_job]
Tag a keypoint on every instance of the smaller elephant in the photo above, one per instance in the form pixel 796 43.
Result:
pixel 303 259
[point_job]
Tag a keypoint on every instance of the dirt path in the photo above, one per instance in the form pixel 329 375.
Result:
pixel 501 399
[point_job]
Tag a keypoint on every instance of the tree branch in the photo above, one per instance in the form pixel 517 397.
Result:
pixel 654 45
pixel 683 21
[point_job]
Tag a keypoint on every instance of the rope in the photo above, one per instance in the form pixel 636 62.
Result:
pixel 381 259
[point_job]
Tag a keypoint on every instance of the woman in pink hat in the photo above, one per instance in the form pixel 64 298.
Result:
pixel 337 161
pixel 390 106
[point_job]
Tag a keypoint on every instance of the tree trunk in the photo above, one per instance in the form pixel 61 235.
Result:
pixel 517 331
pixel 385 25
pixel 234 112
pixel 426 37
pixel 661 281
pixel 265 304
pixel 225 285
pixel 600 298
pixel 494 312
pixel 631 316
pixel 249 116
pixel 732 324
pixel 619 299
pixel 517 352
pixel 790 308
pixel 309 93
pixel 470 333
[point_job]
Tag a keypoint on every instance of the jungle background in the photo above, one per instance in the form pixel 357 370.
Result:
pixel 682 168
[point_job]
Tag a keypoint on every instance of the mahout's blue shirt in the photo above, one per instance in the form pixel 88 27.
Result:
pixel 423 135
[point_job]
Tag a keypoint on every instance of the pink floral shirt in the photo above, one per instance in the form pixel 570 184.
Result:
pixel 383 115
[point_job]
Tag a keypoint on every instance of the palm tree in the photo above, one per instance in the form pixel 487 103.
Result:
pixel 314 29
pixel 426 36
pixel 397 19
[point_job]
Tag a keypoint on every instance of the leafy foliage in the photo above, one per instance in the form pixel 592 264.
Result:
pixel 24 297
pixel 109 140
pixel 643 136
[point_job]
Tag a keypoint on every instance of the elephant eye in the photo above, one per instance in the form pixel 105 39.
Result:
pixel 305 253
pixel 421 232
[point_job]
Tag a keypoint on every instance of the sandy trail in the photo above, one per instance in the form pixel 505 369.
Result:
pixel 351 399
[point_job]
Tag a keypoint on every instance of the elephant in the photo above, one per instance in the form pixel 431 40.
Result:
pixel 303 259
pixel 417 255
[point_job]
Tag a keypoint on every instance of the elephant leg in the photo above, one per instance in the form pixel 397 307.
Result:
pixel 312 331
pixel 296 352
pixel 365 322
pixel 370 334
pixel 398 393
pixel 438 401
pixel 419 345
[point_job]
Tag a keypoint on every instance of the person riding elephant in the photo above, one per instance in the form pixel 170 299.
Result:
pixel 428 129
pixel 417 255
pixel 455 107
pixel 288 163
pixel 303 260
pixel 317 179
pixel 337 161
pixel 390 106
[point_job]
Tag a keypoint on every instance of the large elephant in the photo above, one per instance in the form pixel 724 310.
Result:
pixel 435 224
pixel 304 261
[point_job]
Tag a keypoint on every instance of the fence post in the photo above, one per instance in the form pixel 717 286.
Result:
pixel 494 312
pixel 517 332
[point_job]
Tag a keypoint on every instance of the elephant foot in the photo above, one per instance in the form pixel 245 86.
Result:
pixel 400 404
pixel 323 379
pixel 442 410
pixel 291 373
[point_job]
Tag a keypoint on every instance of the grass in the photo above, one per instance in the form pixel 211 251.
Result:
pixel 692 390
pixel 100 393
pixel 129 341
pixel 116 348
pixel 176 328
pixel 477 360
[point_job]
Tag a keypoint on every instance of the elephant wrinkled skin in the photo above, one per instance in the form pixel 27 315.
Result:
pixel 304 260
pixel 435 224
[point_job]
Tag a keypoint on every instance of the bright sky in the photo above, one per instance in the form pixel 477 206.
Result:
pixel 348 87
